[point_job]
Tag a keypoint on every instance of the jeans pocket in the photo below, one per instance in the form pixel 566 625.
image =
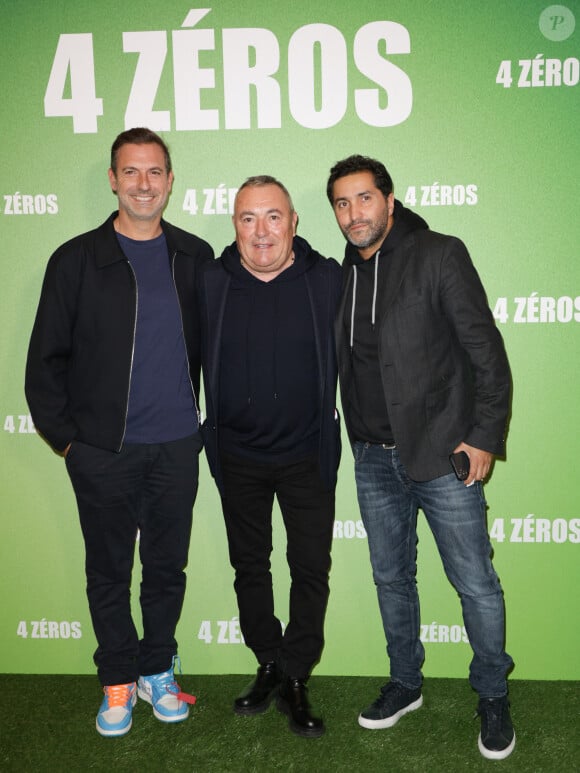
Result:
pixel 359 450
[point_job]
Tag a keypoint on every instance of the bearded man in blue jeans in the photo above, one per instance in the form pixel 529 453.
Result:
pixel 424 376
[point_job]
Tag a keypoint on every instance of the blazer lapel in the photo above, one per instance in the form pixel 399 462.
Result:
pixel 394 268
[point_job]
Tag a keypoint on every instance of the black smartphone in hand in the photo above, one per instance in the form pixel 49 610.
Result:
pixel 460 464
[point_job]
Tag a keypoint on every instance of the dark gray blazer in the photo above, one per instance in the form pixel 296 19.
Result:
pixel 445 373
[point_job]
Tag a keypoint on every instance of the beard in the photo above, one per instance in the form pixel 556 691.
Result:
pixel 374 233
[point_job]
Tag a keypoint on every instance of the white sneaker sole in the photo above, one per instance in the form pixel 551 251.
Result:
pixel 115 732
pixel 489 754
pixel 162 717
pixel 382 724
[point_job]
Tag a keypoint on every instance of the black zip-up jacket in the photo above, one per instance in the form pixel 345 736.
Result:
pixel 80 355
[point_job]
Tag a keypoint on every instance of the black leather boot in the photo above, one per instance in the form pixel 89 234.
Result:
pixel 293 701
pixel 258 695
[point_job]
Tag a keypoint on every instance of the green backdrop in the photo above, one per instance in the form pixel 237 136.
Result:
pixel 473 108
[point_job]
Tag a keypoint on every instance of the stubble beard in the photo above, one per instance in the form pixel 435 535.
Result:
pixel 377 232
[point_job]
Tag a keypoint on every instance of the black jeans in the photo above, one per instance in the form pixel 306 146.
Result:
pixel 308 514
pixel 145 491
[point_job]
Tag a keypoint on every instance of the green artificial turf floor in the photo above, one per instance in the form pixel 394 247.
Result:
pixel 47 723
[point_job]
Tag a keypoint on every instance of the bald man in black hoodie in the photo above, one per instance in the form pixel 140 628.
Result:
pixel 272 429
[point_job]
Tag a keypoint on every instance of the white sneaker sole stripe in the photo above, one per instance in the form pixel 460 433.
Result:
pixel 490 754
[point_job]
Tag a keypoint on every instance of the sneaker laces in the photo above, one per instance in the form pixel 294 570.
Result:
pixel 118 694
pixel 493 709
pixel 390 687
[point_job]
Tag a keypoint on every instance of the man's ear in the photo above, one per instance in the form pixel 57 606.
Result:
pixel 294 222
pixel 112 181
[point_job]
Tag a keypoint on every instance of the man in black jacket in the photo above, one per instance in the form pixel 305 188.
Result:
pixel 423 375
pixel 269 364
pixel 111 380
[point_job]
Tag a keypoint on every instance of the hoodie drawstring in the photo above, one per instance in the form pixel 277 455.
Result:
pixel 374 309
pixel 352 308
pixel 374 305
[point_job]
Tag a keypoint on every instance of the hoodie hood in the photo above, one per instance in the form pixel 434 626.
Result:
pixel 304 258
pixel 405 222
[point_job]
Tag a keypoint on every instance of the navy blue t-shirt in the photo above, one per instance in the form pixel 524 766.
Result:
pixel 161 404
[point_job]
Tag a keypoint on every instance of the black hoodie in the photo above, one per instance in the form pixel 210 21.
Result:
pixel 268 397
pixel 369 419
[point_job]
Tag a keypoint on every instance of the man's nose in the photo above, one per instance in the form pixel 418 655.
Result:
pixel 143 181
pixel 355 212
pixel 261 226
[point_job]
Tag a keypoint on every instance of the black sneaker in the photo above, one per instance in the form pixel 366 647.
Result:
pixel 394 702
pixel 497 738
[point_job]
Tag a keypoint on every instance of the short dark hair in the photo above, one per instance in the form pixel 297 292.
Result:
pixel 356 163
pixel 257 181
pixel 138 136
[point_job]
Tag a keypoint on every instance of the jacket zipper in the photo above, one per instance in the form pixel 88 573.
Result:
pixel 132 354
pixel 197 413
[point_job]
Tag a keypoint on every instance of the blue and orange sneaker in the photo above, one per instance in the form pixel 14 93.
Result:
pixel 164 694
pixel 115 715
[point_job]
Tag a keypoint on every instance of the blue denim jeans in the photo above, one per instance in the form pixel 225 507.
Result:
pixel 389 501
